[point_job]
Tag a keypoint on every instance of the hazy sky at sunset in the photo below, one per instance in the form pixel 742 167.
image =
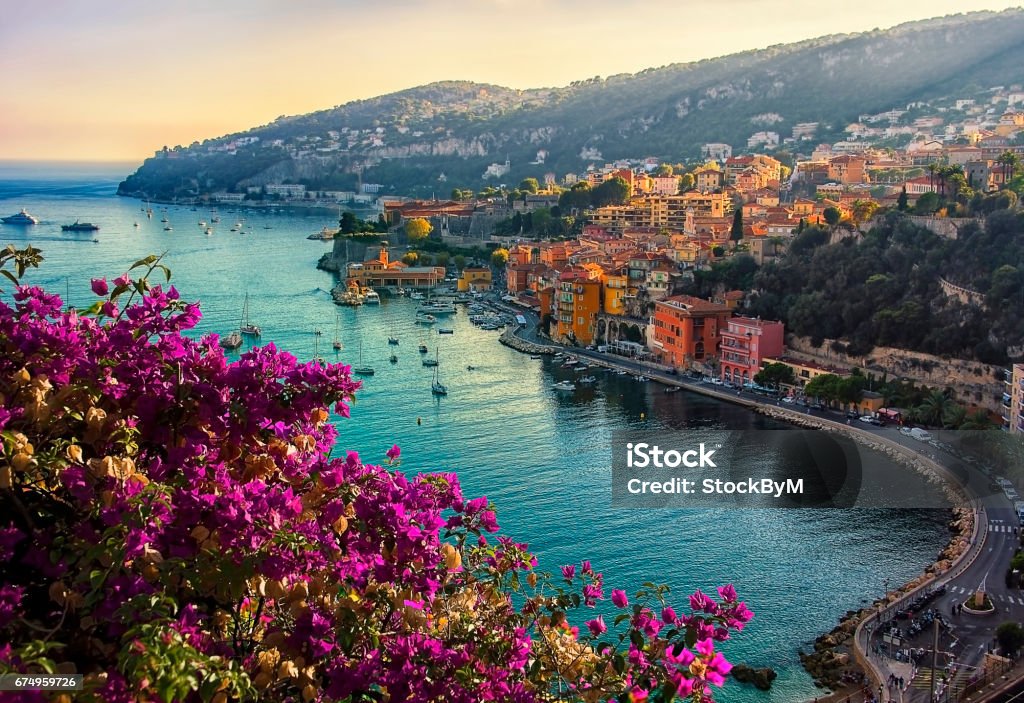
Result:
pixel 108 80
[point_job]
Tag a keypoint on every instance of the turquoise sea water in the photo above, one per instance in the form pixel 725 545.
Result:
pixel 542 457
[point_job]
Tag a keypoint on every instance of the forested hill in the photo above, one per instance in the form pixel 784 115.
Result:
pixel 884 288
pixel 407 140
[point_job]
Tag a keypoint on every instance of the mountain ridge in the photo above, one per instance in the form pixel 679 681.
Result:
pixel 407 139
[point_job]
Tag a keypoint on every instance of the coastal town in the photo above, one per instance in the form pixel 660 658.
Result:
pixel 695 374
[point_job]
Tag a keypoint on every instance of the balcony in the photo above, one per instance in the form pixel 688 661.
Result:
pixel 1006 400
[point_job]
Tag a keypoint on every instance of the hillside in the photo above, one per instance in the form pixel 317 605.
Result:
pixel 407 140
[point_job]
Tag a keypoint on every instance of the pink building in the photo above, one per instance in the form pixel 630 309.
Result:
pixel 746 342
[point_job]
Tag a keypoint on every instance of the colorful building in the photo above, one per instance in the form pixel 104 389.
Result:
pixel 746 342
pixel 578 304
pixel 687 330
pixel 476 280
pixel 1013 400
pixel 614 291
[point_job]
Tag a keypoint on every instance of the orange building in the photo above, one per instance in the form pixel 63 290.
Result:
pixel 687 330
pixel 578 304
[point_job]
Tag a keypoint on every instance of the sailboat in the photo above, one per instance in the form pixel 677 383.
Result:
pixel 337 333
pixel 247 327
pixel 317 359
pixel 438 388
pixel 362 370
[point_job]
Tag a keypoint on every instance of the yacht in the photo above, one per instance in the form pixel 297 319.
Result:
pixel 371 297
pixel 564 386
pixel 425 319
pixel 79 226
pixel 324 235
pixel 22 218
pixel 588 379
pixel 423 349
pixel 416 295
pixel 436 308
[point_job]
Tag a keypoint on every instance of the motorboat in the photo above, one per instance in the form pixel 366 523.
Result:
pixel 445 330
pixel 423 349
pixel 564 386
pixel 588 379
pixel 673 389
pixel 232 341
pixel 79 226
pixel 425 319
pixel 393 340
pixel 371 297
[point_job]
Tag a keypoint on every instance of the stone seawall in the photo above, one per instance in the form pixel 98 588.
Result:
pixel 509 339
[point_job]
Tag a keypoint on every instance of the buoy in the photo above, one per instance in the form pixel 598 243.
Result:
pixel 419 421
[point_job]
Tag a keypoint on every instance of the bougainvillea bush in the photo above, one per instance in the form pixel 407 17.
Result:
pixel 180 528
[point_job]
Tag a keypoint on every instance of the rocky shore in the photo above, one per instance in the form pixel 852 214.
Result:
pixel 509 339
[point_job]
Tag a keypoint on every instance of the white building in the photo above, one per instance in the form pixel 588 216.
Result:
pixel 716 151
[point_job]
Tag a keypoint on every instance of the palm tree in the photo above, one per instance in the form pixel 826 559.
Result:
pixel 954 417
pixel 978 420
pixel 934 408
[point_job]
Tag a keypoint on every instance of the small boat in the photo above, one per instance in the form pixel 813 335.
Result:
pixel 202 223
pixel 371 297
pixel 621 372
pixel 79 226
pixel 535 357
pixel 168 228
pixel 393 358
pixel 445 330
pixel 673 389
pixel 247 327
pixel 135 225
pixel 423 349
pixel 317 359
pixel 21 218
pixel 215 220
pixel 232 341
pixel 588 379
pixel 392 340
pixel 425 319
pixel 164 219
pixel 324 235
pixel 362 370
pixel 427 361
pixel 416 295
pixel 564 386
pixel 209 231
pixel 641 378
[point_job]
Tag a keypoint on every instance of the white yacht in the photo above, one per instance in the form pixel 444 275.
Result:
pixel 22 218
pixel 371 297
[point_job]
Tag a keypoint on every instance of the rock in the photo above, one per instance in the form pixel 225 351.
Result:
pixel 761 678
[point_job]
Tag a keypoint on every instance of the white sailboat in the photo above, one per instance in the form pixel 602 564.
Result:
pixel 438 388
pixel 338 346
pixel 317 359
pixel 362 370
pixel 248 327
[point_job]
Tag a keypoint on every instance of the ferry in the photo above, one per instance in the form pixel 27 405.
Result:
pixel 22 218
pixel 78 226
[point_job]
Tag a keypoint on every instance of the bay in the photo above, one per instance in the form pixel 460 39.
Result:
pixel 542 457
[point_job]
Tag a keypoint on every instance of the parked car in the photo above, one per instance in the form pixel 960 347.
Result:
pixel 905 431
pixel 877 422
pixel 866 418
pixel 789 399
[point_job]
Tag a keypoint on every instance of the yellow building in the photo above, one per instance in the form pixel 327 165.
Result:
pixel 578 304
pixel 614 286
pixel 664 211
pixel 477 280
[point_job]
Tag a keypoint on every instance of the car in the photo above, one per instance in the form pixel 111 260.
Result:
pixel 905 431
pixel 866 418
pixel 876 422
pixel 716 381
pixel 789 399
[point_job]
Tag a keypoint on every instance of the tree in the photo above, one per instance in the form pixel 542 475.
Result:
pixel 774 374
pixel 417 230
pixel 663 170
pixel 441 258
pixel 832 216
pixel 927 203
pixel 410 258
pixel 934 408
pixel 736 231
pixel 864 210
pixel 901 202
pixel 614 191
pixel 529 185
pixel 686 182
pixel 499 257
pixel 349 223
pixel 460 261
pixel 577 198
pixel 1010 636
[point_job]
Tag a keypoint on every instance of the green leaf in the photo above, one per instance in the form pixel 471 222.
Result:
pixel 144 262
pixel 618 663
pixel 637 639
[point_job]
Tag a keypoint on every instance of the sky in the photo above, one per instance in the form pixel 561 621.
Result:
pixel 106 80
